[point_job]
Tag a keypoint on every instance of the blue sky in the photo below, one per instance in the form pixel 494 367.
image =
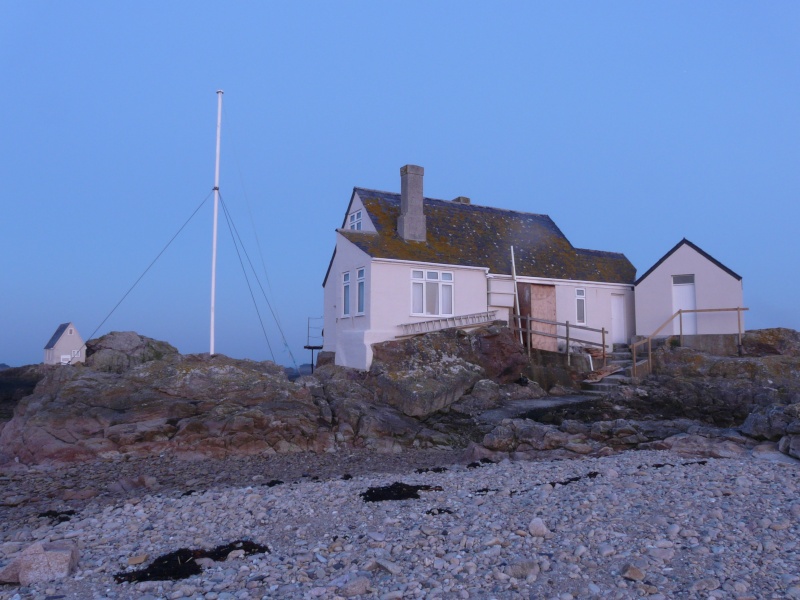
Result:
pixel 632 124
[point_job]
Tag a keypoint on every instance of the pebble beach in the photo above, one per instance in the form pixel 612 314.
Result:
pixel 642 524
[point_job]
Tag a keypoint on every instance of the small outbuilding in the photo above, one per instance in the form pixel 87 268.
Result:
pixel 65 346
pixel 688 278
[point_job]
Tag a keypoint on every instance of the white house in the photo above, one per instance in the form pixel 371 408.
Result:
pixel 688 278
pixel 65 347
pixel 406 263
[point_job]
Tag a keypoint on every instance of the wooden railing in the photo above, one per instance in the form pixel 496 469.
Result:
pixel 649 339
pixel 527 331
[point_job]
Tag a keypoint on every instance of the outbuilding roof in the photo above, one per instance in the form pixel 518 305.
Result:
pixel 56 336
pixel 482 236
pixel 696 248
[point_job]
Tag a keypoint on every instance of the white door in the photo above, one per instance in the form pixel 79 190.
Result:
pixel 619 333
pixel 683 298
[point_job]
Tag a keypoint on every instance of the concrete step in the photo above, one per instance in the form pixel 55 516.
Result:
pixel 620 361
pixel 600 386
pixel 640 365
pixel 597 393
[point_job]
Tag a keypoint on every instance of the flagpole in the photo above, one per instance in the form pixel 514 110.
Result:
pixel 216 212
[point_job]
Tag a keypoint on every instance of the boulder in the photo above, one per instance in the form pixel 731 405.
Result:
pixel 524 435
pixel 693 445
pixel 772 422
pixel 425 374
pixel 364 421
pixel 118 351
pixel 790 445
pixel 41 562
pixel 422 375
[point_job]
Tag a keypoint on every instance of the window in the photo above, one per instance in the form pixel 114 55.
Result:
pixel 76 353
pixel 355 220
pixel 431 292
pixel 580 301
pixel 682 279
pixel 70 331
pixel 346 294
pixel 360 303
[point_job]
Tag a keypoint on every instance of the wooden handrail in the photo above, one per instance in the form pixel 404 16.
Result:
pixel 567 325
pixel 679 313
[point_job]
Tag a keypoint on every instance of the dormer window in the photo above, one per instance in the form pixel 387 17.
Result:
pixel 355 220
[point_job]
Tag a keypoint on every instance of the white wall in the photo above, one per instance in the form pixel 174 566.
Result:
pixel 598 307
pixel 387 302
pixel 345 335
pixel 714 288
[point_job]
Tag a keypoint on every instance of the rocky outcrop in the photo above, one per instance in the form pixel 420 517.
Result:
pixel 527 439
pixel 758 393
pixel 138 396
pixel 776 341
pixel 192 404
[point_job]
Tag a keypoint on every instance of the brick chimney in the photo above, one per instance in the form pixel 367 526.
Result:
pixel 411 224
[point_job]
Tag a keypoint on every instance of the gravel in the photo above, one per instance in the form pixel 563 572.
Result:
pixel 638 524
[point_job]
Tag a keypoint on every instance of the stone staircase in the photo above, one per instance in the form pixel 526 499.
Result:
pixel 620 355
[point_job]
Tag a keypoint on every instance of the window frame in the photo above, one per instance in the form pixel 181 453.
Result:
pixel 429 277
pixel 355 219
pixel 346 294
pixel 361 299
pixel 580 299
pixel 683 279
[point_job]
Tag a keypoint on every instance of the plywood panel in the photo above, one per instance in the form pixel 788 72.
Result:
pixel 539 302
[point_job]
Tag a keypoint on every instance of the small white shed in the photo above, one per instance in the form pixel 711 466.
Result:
pixel 65 346
pixel 688 278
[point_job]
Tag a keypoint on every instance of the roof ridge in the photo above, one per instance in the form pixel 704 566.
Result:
pixel 466 206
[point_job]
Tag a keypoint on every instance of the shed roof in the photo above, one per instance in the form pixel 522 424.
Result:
pixel 57 335
pixel 481 236
pixel 696 248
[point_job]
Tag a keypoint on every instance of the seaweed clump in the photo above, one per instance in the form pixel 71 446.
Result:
pixel 182 563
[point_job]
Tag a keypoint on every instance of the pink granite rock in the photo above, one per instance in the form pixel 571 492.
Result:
pixel 41 562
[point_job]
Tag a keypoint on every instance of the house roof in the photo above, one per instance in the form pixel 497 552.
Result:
pixel 59 332
pixel 481 236
pixel 697 249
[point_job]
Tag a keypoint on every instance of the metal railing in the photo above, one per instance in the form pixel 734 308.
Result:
pixel 472 320
pixel 314 336
pixel 649 339
pixel 528 332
